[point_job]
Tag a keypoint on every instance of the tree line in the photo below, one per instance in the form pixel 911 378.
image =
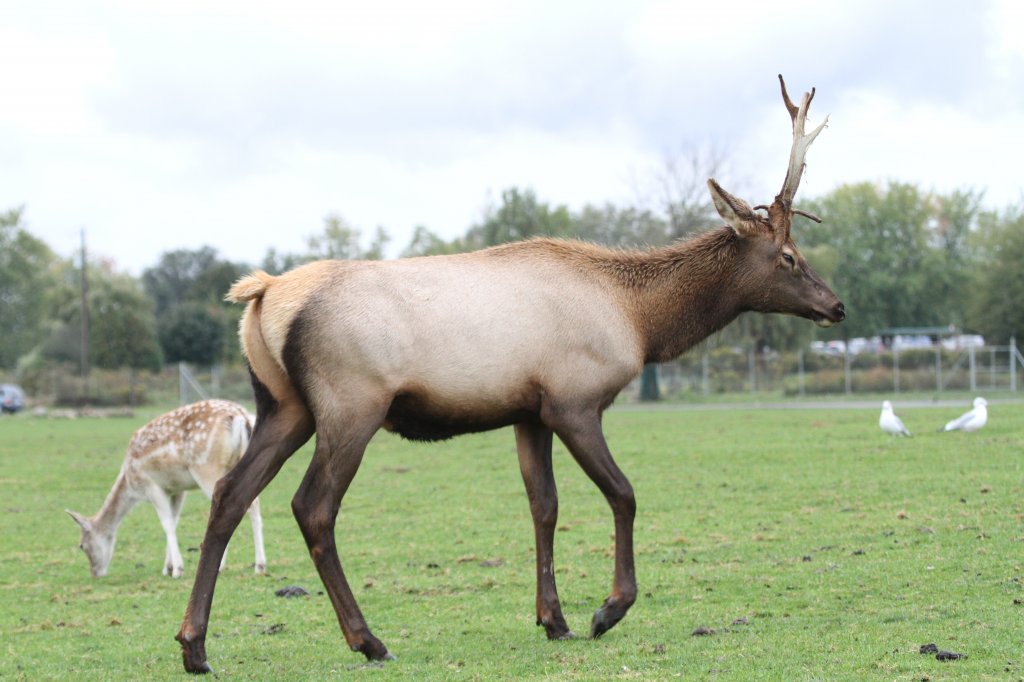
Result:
pixel 896 255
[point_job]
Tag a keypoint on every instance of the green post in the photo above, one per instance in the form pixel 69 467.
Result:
pixel 649 391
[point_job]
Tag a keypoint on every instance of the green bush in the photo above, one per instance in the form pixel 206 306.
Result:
pixel 817 383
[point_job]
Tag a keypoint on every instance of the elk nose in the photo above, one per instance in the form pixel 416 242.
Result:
pixel 840 312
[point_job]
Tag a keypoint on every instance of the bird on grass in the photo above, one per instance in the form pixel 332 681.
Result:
pixel 970 421
pixel 890 423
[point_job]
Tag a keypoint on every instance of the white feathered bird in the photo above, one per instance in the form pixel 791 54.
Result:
pixel 970 421
pixel 890 423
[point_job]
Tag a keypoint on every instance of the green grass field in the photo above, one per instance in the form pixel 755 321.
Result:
pixel 813 547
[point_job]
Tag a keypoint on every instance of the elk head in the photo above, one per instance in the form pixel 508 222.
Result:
pixel 779 279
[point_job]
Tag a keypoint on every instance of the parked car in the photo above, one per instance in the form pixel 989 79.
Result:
pixel 865 345
pixel 12 398
pixel 963 341
pixel 835 349
pixel 908 341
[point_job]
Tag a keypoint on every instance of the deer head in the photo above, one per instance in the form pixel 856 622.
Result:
pixel 98 546
pixel 781 279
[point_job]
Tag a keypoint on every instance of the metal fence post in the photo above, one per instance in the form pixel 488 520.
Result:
pixel 182 389
pixel 847 380
pixel 974 376
pixel 1013 364
pixel 895 369
pixel 185 379
pixel 800 371
pixel 705 371
pixel 752 364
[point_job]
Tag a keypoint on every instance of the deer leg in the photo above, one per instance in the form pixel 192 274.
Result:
pixel 257 537
pixel 207 481
pixel 315 506
pixel 177 501
pixel 164 505
pixel 533 443
pixel 281 429
pixel 583 436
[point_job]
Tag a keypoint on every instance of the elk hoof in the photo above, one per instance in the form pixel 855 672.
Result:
pixel 202 669
pixel 193 655
pixel 387 656
pixel 374 650
pixel 556 629
pixel 603 621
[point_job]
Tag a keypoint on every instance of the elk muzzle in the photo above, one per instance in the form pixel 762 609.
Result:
pixel 831 315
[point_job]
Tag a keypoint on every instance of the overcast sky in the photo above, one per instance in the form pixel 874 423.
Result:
pixel 242 124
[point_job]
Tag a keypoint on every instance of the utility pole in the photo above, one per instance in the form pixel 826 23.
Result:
pixel 84 359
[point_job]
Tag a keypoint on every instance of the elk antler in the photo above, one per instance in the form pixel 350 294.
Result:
pixel 796 211
pixel 781 210
pixel 801 141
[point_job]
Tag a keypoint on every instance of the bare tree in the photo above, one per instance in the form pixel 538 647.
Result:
pixel 677 190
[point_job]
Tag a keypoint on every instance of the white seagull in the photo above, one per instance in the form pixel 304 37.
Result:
pixel 970 421
pixel 890 423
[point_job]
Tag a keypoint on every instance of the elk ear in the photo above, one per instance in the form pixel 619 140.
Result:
pixel 79 519
pixel 736 213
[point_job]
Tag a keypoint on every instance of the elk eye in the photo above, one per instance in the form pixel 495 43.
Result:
pixel 789 259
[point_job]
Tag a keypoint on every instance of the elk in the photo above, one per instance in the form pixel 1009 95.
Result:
pixel 190 447
pixel 540 335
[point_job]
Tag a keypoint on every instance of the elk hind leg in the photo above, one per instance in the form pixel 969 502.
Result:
pixel 281 429
pixel 315 506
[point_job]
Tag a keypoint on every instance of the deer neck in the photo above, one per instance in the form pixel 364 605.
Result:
pixel 119 502
pixel 684 293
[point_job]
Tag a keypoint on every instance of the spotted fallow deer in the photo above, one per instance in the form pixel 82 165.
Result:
pixel 190 447
pixel 541 335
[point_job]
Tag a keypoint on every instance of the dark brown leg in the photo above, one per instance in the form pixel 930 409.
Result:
pixel 533 443
pixel 583 436
pixel 277 435
pixel 315 506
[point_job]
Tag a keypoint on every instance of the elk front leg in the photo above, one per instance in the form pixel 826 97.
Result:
pixel 276 437
pixel 583 437
pixel 533 442
pixel 315 506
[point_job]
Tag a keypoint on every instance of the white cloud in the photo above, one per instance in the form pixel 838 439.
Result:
pixel 165 125
pixel 46 79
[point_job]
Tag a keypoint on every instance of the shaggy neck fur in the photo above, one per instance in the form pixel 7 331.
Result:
pixel 676 296
pixel 683 293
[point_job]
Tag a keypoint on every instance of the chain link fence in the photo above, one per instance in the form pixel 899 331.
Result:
pixel 702 374
pixel 729 370
pixel 65 387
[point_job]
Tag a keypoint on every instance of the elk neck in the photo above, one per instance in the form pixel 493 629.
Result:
pixel 681 294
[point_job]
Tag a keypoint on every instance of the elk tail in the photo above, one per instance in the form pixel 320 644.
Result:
pixel 249 287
